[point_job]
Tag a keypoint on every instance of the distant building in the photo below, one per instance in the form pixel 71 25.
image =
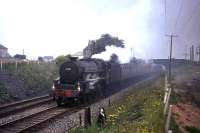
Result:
pixel 19 56
pixel 174 62
pixel 3 52
pixel 46 58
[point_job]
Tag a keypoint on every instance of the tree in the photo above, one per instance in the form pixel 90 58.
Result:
pixel 137 61
pixel 19 56
pixel 67 57
pixel 40 59
pixel 114 58
pixel 133 60
pixel 62 58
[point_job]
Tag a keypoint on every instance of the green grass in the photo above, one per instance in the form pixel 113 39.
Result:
pixel 173 126
pixel 186 72
pixel 174 98
pixel 4 96
pixel 140 112
pixel 192 129
pixel 37 78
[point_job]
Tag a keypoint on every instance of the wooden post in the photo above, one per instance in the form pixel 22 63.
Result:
pixel 168 119
pixel 1 65
pixel 167 101
pixel 166 90
pixel 170 55
pixel 88 119
pixel 16 65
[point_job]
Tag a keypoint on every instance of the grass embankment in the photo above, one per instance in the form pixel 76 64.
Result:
pixel 140 112
pixel 37 79
pixel 184 73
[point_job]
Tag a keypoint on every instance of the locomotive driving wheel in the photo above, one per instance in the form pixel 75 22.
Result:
pixel 59 101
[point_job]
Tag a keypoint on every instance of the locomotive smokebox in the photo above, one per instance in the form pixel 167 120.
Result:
pixel 69 72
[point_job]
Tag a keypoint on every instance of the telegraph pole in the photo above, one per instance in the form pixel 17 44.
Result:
pixel 170 57
pixel 186 54
pixel 132 53
pixel 192 54
pixel 198 53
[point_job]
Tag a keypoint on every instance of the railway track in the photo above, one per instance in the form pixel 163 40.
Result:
pixel 15 107
pixel 32 122
pixel 24 124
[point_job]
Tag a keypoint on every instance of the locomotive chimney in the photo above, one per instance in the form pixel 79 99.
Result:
pixel 73 58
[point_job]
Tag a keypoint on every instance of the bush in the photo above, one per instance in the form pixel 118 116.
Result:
pixel 4 96
pixel 192 129
pixel 38 76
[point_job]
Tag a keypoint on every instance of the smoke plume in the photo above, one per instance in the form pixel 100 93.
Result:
pixel 99 45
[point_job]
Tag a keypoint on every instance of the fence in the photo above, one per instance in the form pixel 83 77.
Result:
pixel 167 107
pixel 13 65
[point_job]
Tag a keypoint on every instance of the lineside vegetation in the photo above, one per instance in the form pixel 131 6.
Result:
pixel 140 112
pixel 36 80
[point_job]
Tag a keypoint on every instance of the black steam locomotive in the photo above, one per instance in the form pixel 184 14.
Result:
pixel 82 78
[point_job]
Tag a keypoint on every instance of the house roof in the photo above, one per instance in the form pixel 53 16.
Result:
pixel 2 47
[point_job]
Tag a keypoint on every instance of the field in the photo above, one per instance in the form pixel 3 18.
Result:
pixel 140 112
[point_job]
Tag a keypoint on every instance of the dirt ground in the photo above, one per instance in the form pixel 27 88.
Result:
pixel 186 114
pixel 186 109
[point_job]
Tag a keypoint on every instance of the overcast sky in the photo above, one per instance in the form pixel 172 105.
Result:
pixel 56 27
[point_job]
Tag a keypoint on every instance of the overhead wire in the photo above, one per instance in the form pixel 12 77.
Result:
pixel 191 16
pixel 188 21
pixel 165 10
pixel 178 16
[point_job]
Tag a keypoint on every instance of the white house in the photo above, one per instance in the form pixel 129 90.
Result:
pixel 3 51
pixel 48 58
